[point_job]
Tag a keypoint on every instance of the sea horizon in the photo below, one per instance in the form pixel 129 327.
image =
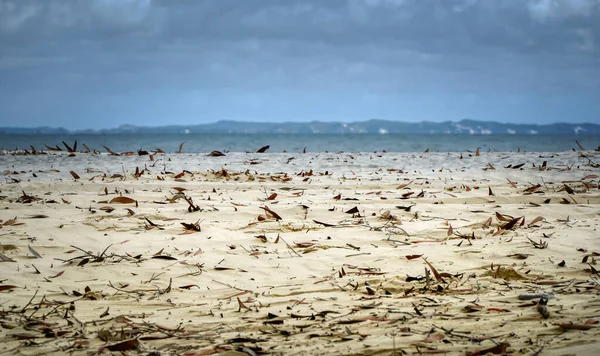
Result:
pixel 285 142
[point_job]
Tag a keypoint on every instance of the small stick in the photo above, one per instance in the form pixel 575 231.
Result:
pixel 29 303
pixel 290 247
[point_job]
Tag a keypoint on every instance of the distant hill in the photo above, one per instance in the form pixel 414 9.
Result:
pixel 472 127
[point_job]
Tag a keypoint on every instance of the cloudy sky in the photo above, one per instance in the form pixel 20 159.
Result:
pixel 103 63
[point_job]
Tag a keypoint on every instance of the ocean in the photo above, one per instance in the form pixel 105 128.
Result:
pixel 196 143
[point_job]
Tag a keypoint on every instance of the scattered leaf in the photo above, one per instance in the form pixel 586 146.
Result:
pixel 122 200
pixel 34 252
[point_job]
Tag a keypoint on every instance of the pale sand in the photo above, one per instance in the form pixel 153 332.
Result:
pixel 311 297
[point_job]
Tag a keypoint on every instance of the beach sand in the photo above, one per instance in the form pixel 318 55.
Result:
pixel 300 254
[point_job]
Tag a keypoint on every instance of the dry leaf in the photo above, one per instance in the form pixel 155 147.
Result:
pixel 5 287
pixel 509 225
pixel 538 219
pixel 571 326
pixel 263 149
pixel 34 252
pixel 75 175
pixel 58 274
pixel 271 212
pixel 435 272
pixel 132 344
pixel 352 211
pixel 122 200
pixel 513 184
pixel 412 257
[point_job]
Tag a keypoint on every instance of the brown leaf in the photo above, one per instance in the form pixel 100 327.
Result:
pixel 450 230
pixel 487 223
pixel 477 152
pixel 132 344
pixel 569 189
pixel 509 225
pixel 532 188
pixel 58 274
pixel 274 214
pixel 490 191
pixel 216 154
pixel 164 257
pixel 590 176
pixel 272 196
pixel 223 268
pixel 513 184
pixel 122 200
pixel 412 257
pixel 105 313
pixel 263 149
pixel 323 223
pixel 305 244
pixel 75 175
pixel 435 272
pixel 401 186
pixel 503 217
pixel 538 219
pixel 352 211
pixel 338 197
pixel 5 287
pixel 110 151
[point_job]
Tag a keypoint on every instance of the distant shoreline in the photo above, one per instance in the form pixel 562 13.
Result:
pixel 383 127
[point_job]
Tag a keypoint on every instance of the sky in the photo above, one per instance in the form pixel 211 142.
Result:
pixel 103 63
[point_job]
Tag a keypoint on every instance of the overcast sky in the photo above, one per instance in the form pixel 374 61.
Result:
pixel 102 63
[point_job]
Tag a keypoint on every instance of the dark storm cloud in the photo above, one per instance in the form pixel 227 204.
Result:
pixel 97 63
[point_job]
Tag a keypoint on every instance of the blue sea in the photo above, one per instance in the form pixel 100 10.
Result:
pixel 194 143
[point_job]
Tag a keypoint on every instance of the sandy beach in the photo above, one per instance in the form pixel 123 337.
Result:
pixel 300 254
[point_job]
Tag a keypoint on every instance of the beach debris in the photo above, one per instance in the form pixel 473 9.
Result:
pixel 192 227
pixel 542 308
pixel 573 326
pixel 498 349
pixel 34 252
pixel 271 213
pixel 263 149
pixel 122 200
pixel 436 274
pixel 7 287
pixel 27 199
pixel 110 151
pixel 123 346
pixel 216 154
pixel 541 245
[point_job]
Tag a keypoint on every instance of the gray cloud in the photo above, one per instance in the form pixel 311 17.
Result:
pixel 98 63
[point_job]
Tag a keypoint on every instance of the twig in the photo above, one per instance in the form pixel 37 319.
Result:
pixel 290 247
pixel 29 303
